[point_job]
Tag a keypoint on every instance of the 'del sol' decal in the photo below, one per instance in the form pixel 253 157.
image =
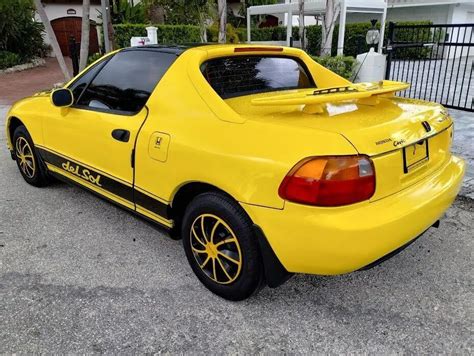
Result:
pixel 83 173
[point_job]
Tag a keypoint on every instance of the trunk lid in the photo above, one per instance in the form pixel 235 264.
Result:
pixel 407 139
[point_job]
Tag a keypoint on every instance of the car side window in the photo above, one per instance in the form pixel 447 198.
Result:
pixel 126 81
pixel 78 86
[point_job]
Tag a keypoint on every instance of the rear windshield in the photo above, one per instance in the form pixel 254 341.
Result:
pixel 244 75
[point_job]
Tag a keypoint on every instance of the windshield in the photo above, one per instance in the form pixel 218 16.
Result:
pixel 244 75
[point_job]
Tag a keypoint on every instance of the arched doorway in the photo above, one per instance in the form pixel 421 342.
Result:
pixel 65 27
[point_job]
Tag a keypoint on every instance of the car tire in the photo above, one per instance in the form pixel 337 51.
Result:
pixel 27 159
pixel 225 258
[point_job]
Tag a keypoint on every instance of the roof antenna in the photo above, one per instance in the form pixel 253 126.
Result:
pixel 360 67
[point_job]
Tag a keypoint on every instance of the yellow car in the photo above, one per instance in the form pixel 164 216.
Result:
pixel 264 162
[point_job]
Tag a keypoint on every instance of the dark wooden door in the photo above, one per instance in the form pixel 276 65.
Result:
pixel 65 27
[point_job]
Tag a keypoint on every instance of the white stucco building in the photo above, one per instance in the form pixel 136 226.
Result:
pixel 437 11
pixel 70 8
pixel 66 16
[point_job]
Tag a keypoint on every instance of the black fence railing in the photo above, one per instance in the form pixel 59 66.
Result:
pixel 438 61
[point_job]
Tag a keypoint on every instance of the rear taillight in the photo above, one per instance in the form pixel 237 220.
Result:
pixel 330 181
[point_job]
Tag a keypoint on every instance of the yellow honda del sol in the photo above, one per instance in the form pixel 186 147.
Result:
pixel 265 163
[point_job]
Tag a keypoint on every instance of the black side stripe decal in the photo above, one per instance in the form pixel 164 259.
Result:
pixel 111 185
pixel 89 175
pixel 44 149
pixel 151 204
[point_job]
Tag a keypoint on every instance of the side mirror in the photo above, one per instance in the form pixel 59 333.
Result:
pixel 62 97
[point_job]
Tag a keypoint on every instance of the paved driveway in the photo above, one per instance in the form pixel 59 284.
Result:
pixel 80 275
pixel 17 85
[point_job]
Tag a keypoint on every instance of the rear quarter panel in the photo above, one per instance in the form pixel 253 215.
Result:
pixel 210 143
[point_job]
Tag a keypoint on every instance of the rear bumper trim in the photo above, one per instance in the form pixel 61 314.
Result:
pixel 395 252
pixel 330 241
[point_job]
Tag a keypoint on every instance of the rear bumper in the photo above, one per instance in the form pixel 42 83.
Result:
pixel 338 240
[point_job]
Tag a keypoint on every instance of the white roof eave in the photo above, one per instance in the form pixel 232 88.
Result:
pixel 416 3
pixel 315 7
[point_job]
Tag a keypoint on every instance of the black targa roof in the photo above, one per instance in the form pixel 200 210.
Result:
pixel 171 49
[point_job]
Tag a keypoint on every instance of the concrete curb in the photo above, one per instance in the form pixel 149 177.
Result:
pixel 36 62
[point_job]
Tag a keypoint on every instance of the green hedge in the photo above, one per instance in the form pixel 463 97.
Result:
pixel 354 42
pixel 419 35
pixel 179 34
pixel 232 34
pixel 313 36
pixel 9 59
pixel 342 65
pixel 167 34
pixel 354 38
pixel 268 34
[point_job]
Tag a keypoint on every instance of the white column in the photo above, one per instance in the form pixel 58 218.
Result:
pixel 382 29
pixel 152 34
pixel 342 28
pixel 289 25
pixel 249 34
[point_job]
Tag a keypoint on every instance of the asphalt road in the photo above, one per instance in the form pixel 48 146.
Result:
pixel 80 275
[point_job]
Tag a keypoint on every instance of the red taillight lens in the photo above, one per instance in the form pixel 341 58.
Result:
pixel 330 181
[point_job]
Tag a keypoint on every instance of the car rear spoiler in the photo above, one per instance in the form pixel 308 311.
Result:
pixel 313 99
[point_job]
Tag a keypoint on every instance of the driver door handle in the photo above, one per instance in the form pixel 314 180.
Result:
pixel 121 135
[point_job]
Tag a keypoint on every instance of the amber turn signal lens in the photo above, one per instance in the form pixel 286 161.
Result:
pixel 330 181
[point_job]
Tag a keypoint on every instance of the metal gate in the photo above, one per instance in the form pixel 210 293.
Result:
pixel 438 61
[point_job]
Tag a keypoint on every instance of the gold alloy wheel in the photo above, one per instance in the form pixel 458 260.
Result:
pixel 25 156
pixel 216 248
